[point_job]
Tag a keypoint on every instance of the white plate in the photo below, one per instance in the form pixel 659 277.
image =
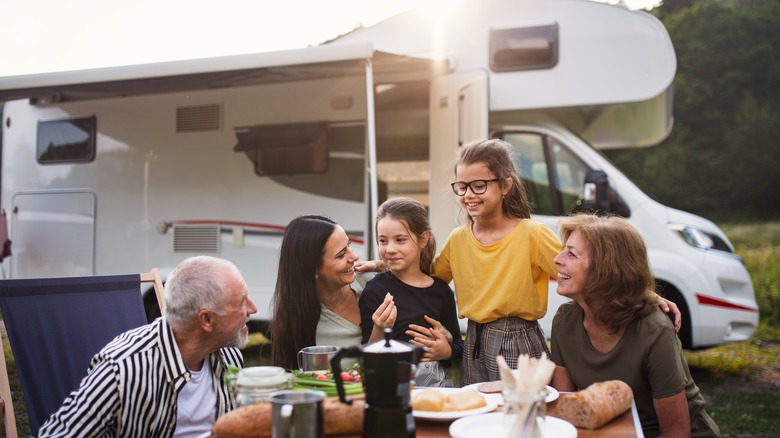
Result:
pixel 452 415
pixel 487 425
pixel 552 394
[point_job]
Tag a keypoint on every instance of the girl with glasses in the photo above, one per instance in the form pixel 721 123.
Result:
pixel 501 261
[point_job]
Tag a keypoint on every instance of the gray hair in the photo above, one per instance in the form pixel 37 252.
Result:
pixel 198 283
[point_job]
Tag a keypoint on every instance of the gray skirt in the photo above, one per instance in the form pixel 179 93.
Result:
pixel 508 337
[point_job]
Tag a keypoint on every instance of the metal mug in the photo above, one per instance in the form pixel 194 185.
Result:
pixel 316 358
pixel 297 414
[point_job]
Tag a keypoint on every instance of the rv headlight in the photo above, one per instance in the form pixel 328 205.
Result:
pixel 693 236
pixel 700 239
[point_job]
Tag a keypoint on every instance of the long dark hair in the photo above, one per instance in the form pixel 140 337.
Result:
pixel 296 308
pixel 415 219
pixel 496 154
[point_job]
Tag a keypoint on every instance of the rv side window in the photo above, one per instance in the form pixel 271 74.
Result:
pixel 570 174
pixel 552 174
pixel 532 165
pixel 318 158
pixel 288 149
pixel 66 140
pixel 525 48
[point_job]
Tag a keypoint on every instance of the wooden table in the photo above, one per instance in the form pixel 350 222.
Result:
pixel 624 426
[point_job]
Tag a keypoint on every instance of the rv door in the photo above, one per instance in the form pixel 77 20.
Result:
pixel 459 114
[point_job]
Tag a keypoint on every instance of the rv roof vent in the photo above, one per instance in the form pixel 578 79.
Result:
pixel 197 118
pixel 196 238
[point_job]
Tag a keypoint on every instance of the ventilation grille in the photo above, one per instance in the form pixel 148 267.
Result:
pixel 196 238
pixel 198 118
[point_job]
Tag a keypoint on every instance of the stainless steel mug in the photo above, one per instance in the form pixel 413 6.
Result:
pixel 316 358
pixel 297 414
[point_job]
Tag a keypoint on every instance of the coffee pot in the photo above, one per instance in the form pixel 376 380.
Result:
pixel 389 368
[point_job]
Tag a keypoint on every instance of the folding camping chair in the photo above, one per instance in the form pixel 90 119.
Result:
pixel 56 325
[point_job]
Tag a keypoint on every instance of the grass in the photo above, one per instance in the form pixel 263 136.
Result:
pixel 740 383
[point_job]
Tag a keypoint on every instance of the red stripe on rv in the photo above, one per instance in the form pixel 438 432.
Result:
pixel 709 301
pixel 280 228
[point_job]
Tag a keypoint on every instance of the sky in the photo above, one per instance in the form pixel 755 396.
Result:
pixel 39 36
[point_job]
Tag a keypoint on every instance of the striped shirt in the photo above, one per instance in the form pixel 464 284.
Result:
pixel 131 387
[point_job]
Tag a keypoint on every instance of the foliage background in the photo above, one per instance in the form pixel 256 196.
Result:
pixel 722 158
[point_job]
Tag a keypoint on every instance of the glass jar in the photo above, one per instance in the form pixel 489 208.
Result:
pixel 255 384
pixel 521 413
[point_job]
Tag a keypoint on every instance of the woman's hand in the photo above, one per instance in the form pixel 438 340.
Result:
pixel 671 308
pixel 371 266
pixel 435 339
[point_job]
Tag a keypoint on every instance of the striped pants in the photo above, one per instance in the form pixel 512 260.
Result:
pixel 508 337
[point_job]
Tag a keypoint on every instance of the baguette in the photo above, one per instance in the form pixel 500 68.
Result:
pixel 254 421
pixel 595 405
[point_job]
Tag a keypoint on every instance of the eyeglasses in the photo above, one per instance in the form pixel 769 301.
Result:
pixel 478 186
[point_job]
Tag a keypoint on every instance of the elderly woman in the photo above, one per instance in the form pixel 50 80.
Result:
pixel 316 297
pixel 613 328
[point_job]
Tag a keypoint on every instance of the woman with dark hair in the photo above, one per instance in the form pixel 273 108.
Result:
pixel 314 302
pixel 613 328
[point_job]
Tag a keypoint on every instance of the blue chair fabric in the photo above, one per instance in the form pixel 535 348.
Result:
pixel 56 325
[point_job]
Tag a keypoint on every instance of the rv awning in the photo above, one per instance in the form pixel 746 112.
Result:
pixel 209 73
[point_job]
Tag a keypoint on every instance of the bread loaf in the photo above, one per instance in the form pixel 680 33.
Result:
pixel 464 401
pixel 432 400
pixel 428 400
pixel 254 421
pixel 595 405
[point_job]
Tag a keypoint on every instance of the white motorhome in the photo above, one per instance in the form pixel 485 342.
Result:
pixel 119 169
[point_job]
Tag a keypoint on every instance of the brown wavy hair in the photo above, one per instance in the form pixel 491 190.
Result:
pixel 497 154
pixel 414 216
pixel 620 285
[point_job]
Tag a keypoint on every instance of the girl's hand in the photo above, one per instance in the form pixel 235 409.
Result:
pixel 436 345
pixel 383 317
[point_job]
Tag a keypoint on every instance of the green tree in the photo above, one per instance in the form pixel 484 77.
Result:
pixel 721 159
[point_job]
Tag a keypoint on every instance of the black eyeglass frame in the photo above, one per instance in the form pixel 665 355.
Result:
pixel 457 184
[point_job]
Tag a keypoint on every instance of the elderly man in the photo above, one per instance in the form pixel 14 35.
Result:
pixel 166 379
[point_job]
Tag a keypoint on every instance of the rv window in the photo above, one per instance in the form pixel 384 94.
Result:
pixel 317 158
pixel 526 48
pixel 288 149
pixel 66 140
pixel 532 165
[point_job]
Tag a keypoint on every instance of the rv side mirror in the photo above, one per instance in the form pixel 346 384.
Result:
pixel 599 197
pixel 595 192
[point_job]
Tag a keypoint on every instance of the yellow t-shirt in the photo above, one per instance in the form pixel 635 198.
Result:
pixel 507 278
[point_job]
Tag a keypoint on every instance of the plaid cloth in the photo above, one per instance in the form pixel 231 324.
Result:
pixel 508 337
